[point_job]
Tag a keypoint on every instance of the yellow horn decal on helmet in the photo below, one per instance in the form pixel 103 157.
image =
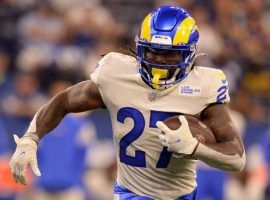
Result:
pixel 146 28
pixel 183 32
pixel 157 75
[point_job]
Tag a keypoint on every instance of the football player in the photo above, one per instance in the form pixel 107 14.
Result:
pixel 140 93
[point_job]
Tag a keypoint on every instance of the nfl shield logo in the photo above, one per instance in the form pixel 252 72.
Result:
pixel 151 96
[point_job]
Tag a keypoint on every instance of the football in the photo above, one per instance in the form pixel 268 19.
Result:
pixel 198 128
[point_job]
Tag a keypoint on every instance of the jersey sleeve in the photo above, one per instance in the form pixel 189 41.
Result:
pixel 219 88
pixel 96 74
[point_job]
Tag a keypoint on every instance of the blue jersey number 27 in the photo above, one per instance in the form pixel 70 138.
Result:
pixel 139 160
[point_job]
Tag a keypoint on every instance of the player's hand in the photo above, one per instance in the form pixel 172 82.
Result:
pixel 25 154
pixel 179 141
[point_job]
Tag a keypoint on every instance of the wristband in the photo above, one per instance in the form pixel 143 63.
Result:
pixel 32 136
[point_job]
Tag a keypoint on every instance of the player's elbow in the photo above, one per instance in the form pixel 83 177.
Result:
pixel 239 165
pixel 242 163
pixel 238 168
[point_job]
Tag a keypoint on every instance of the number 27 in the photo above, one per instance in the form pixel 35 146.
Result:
pixel 139 160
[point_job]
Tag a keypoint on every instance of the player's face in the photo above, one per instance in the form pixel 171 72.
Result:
pixel 163 57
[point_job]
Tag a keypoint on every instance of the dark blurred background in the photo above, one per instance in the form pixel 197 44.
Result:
pixel 48 45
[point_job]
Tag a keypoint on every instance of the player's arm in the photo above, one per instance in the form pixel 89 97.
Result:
pixel 228 153
pixel 81 97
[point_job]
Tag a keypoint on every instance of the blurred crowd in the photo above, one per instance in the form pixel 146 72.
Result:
pixel 47 45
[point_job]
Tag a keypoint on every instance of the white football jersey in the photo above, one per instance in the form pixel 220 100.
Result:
pixel 145 167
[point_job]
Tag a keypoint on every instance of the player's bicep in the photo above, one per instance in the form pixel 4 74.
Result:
pixel 216 116
pixel 218 119
pixel 82 97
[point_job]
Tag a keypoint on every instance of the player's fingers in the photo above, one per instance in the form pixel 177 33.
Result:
pixel 22 177
pixel 12 167
pixel 183 120
pixel 165 144
pixel 34 167
pixel 16 174
pixel 162 137
pixel 178 155
pixel 21 172
pixel 19 168
pixel 163 127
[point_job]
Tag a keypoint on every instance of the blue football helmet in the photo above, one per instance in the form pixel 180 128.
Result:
pixel 171 30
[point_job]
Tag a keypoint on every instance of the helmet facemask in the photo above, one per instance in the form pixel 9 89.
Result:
pixel 166 65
